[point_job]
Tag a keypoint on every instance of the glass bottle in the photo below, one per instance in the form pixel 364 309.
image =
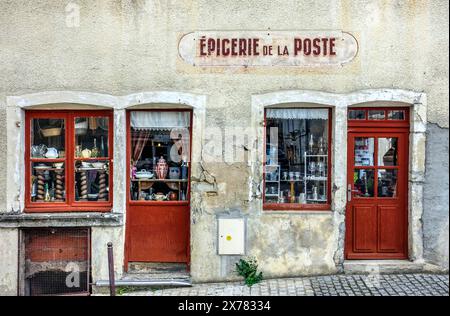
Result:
pixel 184 169
pixel 47 193
pixel 102 148
pixel 94 151
pixel 311 143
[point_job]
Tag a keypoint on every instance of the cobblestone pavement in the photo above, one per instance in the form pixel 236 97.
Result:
pixel 334 285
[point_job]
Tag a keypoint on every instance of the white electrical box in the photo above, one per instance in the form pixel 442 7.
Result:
pixel 231 236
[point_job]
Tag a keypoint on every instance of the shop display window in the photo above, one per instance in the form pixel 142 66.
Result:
pixel 297 159
pixel 160 156
pixel 68 160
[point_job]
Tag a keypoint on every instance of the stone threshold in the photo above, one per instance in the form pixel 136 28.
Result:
pixel 382 266
pixel 68 219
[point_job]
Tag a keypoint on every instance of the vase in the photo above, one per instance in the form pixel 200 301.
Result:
pixel 174 173
pixel 161 168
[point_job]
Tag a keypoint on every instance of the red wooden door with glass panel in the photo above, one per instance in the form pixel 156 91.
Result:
pixel 158 208
pixel 377 190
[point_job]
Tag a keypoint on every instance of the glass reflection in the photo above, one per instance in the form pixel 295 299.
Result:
pixel 376 114
pixel 92 180
pixel 356 115
pixel 387 151
pixel 387 183
pixel 363 183
pixel 396 115
pixel 91 137
pixel 47 138
pixel 364 151
pixel 47 182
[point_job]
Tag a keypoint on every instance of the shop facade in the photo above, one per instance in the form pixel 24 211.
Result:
pixel 189 167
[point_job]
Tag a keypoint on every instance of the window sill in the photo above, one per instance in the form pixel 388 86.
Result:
pixel 297 212
pixel 65 209
pixel 158 203
pixel 63 219
pixel 293 207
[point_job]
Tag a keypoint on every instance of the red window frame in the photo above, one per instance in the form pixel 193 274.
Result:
pixel 69 205
pixel 298 206
pixel 367 122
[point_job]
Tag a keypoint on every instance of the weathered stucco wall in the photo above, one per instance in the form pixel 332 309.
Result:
pixel 126 46
pixel 435 218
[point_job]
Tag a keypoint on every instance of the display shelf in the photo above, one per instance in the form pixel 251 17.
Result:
pixel 313 178
pixel 48 160
pixel 48 169
pixel 318 200
pixel 317 180
pixel 276 169
pixel 159 180
pixel 89 169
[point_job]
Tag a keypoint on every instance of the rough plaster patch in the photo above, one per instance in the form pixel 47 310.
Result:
pixel 436 196
pixel 9 239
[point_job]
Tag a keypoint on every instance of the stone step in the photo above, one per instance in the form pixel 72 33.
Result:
pixel 157 268
pixel 146 282
pixel 382 266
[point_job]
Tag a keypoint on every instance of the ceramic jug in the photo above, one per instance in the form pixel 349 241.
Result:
pixel 86 153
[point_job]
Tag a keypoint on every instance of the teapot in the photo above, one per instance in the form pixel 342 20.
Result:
pixel 51 153
pixel 159 196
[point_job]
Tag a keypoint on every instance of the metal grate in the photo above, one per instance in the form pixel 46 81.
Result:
pixel 57 261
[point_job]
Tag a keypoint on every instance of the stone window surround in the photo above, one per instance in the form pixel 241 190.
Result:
pixel 339 103
pixel 169 99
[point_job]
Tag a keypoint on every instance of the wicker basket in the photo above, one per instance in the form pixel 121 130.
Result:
pixel 49 132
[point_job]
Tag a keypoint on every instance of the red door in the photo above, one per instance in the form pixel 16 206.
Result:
pixel 157 229
pixel 376 219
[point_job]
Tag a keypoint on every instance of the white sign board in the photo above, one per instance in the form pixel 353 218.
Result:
pixel 267 48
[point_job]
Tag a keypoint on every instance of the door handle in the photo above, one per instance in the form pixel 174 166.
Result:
pixel 349 192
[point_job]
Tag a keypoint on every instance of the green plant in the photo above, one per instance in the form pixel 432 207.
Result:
pixel 121 290
pixel 249 270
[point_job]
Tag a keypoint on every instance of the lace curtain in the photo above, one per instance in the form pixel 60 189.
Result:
pixel 159 120
pixel 290 114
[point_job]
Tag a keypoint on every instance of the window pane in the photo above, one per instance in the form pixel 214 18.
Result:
pixel 297 156
pixel 356 114
pixel 376 114
pixel 160 144
pixel 47 138
pixel 91 137
pixel 387 183
pixel 364 151
pixel 387 151
pixel 363 183
pixel 92 180
pixel 396 115
pixel 47 182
